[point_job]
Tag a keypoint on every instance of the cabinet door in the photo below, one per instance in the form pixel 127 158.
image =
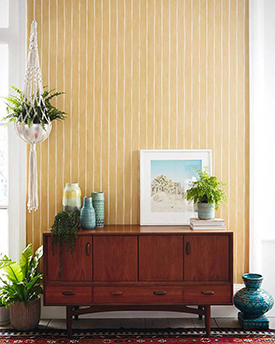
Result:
pixel 115 258
pixel 206 258
pixel 77 266
pixel 161 258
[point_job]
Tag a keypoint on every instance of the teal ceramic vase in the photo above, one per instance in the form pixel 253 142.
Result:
pixel 253 302
pixel 87 214
pixel 98 204
pixel 206 211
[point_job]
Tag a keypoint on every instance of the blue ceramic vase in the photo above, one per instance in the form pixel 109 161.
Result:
pixel 253 302
pixel 87 214
pixel 98 204
pixel 206 211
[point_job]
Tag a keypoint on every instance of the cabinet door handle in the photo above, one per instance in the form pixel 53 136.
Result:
pixel 88 249
pixel 188 248
pixel 160 292
pixel 68 292
pixel 116 293
pixel 208 292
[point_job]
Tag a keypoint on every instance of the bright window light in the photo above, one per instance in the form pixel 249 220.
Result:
pixel 4 79
pixel 4 13
pixel 4 76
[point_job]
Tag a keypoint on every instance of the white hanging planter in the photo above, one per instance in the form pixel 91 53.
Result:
pixel 33 135
pixel 32 112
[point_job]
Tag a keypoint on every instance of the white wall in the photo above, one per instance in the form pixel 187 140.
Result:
pixel 262 140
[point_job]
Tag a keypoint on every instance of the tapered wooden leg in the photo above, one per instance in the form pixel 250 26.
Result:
pixel 200 308
pixel 76 315
pixel 207 319
pixel 69 318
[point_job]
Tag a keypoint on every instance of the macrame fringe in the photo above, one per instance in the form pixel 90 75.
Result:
pixel 33 188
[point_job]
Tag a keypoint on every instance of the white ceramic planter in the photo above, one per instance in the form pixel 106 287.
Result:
pixel 206 211
pixel 4 316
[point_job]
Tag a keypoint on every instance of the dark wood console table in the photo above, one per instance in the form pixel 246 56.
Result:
pixel 141 268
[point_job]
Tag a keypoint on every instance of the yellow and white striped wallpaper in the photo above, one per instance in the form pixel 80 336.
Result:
pixel 143 74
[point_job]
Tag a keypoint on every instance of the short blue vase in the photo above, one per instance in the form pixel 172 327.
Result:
pixel 206 211
pixel 87 214
pixel 253 302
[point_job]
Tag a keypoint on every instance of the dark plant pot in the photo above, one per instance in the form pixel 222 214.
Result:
pixel 206 211
pixel 25 318
pixel 4 316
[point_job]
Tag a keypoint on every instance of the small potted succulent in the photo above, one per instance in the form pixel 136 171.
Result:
pixel 22 286
pixel 207 192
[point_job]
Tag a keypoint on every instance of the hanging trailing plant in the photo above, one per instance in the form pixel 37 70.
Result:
pixel 64 232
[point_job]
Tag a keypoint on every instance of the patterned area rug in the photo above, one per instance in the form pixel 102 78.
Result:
pixel 168 336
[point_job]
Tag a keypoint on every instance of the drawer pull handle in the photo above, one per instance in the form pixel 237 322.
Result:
pixel 188 248
pixel 116 293
pixel 208 292
pixel 88 249
pixel 160 292
pixel 68 292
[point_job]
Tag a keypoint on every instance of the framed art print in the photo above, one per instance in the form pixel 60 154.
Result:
pixel 165 176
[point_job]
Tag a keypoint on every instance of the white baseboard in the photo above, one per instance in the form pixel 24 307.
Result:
pixel 217 312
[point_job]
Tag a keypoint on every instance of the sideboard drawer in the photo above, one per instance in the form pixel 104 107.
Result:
pixel 67 295
pixel 142 295
pixel 204 295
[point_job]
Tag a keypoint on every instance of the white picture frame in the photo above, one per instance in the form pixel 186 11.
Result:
pixel 167 205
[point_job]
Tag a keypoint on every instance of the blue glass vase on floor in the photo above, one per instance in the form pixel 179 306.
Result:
pixel 253 302
pixel 87 214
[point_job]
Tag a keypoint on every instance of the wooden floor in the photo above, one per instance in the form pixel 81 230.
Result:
pixel 144 323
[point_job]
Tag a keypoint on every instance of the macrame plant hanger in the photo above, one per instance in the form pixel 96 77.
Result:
pixel 33 94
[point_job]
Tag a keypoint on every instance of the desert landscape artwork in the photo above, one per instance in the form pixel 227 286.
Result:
pixel 170 179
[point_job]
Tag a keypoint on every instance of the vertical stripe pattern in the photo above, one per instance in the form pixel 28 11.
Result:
pixel 143 74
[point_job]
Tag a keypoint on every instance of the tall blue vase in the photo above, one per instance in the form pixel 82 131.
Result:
pixel 253 302
pixel 98 203
pixel 87 214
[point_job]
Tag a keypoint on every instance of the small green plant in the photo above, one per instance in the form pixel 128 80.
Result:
pixel 18 107
pixel 1 301
pixel 64 231
pixel 22 282
pixel 207 190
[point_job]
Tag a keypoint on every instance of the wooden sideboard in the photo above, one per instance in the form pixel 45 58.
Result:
pixel 141 268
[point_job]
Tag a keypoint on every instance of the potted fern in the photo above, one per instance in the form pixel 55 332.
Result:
pixel 22 286
pixel 42 112
pixel 208 193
